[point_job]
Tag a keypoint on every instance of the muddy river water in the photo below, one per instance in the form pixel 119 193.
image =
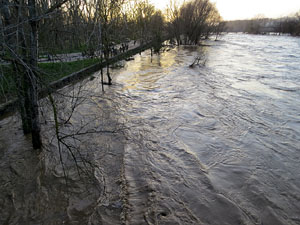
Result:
pixel 216 144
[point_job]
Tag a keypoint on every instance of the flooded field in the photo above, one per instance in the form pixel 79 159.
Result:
pixel 215 144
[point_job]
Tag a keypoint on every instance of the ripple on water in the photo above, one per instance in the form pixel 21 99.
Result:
pixel 226 134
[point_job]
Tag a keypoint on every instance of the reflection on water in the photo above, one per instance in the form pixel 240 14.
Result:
pixel 257 87
pixel 146 71
pixel 216 144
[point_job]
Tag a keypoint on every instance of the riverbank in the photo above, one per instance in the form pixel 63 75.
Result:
pixel 10 106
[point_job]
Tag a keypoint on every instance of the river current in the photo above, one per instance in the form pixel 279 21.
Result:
pixel 213 144
pixel 218 143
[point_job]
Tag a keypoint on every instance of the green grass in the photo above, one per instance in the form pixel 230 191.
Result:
pixel 55 71
pixel 49 72
pixel 55 51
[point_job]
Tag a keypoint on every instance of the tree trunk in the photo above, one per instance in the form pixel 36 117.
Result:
pixel 101 72
pixel 32 78
pixel 19 78
pixel 107 73
pixel 17 47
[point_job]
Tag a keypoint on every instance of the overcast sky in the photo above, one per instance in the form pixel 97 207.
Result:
pixel 247 9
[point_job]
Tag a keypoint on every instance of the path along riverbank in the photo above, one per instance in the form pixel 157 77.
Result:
pixel 133 49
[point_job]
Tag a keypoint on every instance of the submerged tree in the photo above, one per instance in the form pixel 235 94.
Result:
pixel 174 20
pixel 156 29
pixel 193 21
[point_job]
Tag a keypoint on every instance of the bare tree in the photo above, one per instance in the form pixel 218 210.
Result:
pixel 173 16
pixel 108 16
pixel 193 21
pixel 19 34
pixel 219 28
pixel 214 24
pixel 196 16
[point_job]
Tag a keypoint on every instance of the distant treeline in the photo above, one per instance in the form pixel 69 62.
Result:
pixel 259 25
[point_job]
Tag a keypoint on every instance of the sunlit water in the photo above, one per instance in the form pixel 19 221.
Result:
pixel 217 143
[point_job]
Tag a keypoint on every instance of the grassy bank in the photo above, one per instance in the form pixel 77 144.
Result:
pixel 49 72
pixel 57 75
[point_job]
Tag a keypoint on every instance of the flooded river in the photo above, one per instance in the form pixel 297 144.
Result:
pixel 216 144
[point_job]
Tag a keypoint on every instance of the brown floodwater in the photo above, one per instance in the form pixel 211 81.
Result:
pixel 215 144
